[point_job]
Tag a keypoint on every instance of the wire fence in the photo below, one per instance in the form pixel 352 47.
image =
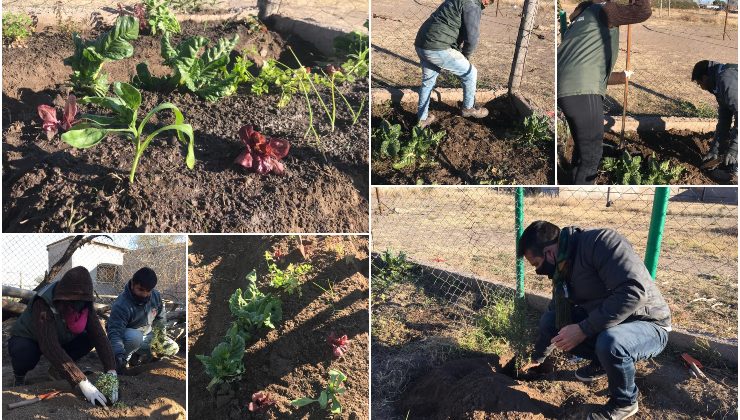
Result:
pixel 395 63
pixel 111 261
pixel 664 50
pixel 463 240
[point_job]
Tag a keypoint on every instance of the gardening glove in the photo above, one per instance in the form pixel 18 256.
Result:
pixel 731 155
pixel 121 364
pixel 713 152
pixel 91 393
pixel 628 73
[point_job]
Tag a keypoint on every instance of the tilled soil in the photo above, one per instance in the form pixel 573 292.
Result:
pixel 472 152
pixel 49 186
pixel 156 390
pixel 293 360
pixel 680 147
pixel 437 379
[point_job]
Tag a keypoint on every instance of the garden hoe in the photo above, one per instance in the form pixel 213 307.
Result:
pixel 33 400
pixel 695 366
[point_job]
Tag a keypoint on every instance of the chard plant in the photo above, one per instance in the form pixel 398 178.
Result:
pixel 261 153
pixel 629 170
pixel 288 279
pixel 329 397
pixel 89 56
pixel 225 364
pixel 205 75
pixel 253 309
pixel 533 131
pixel 418 149
pixel 388 137
pixel 51 125
pixel 124 122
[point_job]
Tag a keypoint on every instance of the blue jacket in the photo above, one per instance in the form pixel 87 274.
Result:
pixel 126 312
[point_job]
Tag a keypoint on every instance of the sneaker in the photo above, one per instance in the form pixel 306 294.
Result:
pixel 19 380
pixel 475 112
pixel 590 372
pixel 425 123
pixel 611 411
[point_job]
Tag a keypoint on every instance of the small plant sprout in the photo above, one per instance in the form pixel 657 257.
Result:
pixel 262 154
pixel 225 363
pixel 17 27
pixel 329 397
pixel 260 402
pixel 51 124
pixel 125 107
pixel 339 345
pixel 253 309
pixel 288 279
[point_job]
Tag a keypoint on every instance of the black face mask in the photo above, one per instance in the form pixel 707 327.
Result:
pixel 546 269
pixel 139 299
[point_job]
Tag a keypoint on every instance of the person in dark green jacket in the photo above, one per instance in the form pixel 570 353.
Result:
pixel 586 58
pixel 721 80
pixel 445 42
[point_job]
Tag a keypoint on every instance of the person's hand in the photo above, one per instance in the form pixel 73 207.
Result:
pixel 731 159
pixel 91 393
pixel 713 152
pixel 569 337
pixel 114 394
pixel 120 364
pixel 628 73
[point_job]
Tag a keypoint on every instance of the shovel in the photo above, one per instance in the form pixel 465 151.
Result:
pixel 33 400
pixel 695 366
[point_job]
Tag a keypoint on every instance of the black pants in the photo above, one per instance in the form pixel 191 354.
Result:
pixel 585 115
pixel 25 352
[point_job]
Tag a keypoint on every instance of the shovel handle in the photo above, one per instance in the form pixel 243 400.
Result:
pixel 24 403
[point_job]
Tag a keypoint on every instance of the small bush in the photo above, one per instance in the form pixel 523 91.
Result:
pixel 533 131
pixel 16 27
pixel 632 170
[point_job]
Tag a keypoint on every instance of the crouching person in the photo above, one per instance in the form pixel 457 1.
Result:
pixel 60 323
pixel 137 322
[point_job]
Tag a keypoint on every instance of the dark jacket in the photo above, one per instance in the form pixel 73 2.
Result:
pixel 724 79
pixel 455 23
pixel 127 312
pixel 610 281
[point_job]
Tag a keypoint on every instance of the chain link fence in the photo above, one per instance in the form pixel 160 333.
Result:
pixel 463 240
pixel 111 261
pixel 664 50
pixel 395 63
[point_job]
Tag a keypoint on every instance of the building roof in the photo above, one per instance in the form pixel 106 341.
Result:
pixel 93 242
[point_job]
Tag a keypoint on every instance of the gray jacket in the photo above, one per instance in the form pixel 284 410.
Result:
pixel 610 281
pixel 126 312
pixel 725 90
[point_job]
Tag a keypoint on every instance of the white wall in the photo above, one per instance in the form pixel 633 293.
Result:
pixel 89 256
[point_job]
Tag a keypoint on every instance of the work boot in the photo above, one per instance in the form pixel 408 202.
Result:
pixel 474 112
pixel 612 411
pixel 19 380
pixel 590 372
pixel 427 122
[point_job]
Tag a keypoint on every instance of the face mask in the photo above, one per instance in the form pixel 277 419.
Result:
pixel 140 299
pixel 546 269
pixel 76 320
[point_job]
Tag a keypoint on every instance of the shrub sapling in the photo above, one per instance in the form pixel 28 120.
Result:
pixel 339 345
pixel 261 153
pixel 51 124
pixel 260 402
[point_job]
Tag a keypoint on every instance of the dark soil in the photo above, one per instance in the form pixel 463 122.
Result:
pixel 49 186
pixel 473 151
pixel 680 147
pixel 150 390
pixel 293 360
pixel 420 371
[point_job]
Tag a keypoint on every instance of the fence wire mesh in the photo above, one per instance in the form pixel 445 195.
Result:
pixel 463 240
pixel 395 63
pixel 111 262
pixel 664 50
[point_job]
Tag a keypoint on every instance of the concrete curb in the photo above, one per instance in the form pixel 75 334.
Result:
pixel 613 123
pixel 446 95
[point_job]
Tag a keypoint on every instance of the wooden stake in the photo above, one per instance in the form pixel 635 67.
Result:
pixel 626 84
pixel 497 3
pixel 727 11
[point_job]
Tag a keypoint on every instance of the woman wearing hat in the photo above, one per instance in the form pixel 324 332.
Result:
pixel 60 323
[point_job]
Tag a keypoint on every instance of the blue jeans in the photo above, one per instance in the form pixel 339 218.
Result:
pixel 616 349
pixel 135 340
pixel 432 62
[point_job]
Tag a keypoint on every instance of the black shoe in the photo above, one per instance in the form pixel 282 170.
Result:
pixel 19 380
pixel 611 411
pixel 590 372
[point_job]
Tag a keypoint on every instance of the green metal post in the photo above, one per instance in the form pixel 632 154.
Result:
pixel 655 235
pixel 519 227
pixel 563 19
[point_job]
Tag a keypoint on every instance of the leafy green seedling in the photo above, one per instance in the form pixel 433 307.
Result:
pixel 125 108
pixel 419 147
pixel 253 309
pixel 16 26
pixel 388 137
pixel 329 397
pixel 89 56
pixel 107 384
pixel 160 18
pixel 629 170
pixel 288 279
pixel 225 364
pixel 534 130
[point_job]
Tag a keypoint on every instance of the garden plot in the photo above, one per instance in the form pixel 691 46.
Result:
pixel 295 359
pixel 679 151
pixel 494 150
pixel 428 363
pixel 150 390
pixel 50 186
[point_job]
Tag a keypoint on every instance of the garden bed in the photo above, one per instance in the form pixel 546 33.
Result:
pixel 293 360
pixel 428 364
pixel 472 152
pixel 48 186
pixel 679 147
pixel 156 390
